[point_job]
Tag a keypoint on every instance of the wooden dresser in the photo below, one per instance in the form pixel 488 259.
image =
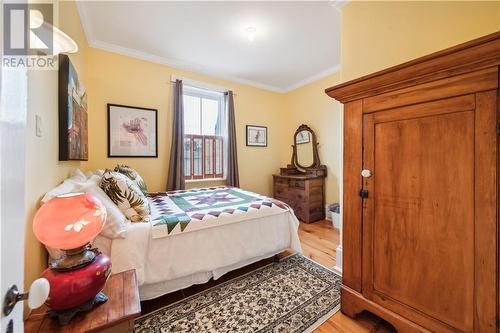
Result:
pixel 420 229
pixel 303 193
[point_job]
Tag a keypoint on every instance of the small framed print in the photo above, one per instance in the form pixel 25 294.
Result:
pixel 256 136
pixel 132 131
pixel 303 137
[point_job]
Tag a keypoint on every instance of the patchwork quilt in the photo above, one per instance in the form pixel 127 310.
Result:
pixel 189 210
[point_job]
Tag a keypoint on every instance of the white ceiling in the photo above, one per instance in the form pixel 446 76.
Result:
pixel 296 42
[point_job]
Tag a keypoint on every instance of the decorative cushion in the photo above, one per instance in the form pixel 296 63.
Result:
pixel 133 175
pixel 116 222
pixel 126 195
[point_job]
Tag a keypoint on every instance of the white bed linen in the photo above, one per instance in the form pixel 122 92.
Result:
pixel 167 264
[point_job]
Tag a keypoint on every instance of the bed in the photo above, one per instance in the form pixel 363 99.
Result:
pixel 199 234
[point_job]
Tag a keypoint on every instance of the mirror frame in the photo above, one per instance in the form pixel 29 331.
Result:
pixel 316 162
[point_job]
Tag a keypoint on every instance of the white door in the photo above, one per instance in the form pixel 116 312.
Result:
pixel 13 111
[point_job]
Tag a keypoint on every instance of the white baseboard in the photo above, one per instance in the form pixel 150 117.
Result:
pixel 328 214
pixel 338 266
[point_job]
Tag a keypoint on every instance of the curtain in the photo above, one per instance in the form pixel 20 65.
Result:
pixel 232 175
pixel 176 167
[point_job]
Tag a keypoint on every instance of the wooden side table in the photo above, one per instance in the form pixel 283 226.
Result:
pixel 116 315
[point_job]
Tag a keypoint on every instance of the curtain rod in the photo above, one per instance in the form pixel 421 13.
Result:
pixel 201 85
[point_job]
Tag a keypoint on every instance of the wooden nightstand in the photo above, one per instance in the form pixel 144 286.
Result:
pixel 116 315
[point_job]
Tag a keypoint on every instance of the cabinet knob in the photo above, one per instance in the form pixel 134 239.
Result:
pixel 366 173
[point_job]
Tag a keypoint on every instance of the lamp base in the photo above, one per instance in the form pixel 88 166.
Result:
pixel 74 259
pixel 65 316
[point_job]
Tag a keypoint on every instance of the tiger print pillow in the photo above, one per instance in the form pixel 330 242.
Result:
pixel 133 175
pixel 126 195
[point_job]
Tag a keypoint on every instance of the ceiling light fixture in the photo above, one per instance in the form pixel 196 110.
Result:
pixel 251 31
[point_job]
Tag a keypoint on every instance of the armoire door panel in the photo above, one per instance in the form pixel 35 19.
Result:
pixel 423 178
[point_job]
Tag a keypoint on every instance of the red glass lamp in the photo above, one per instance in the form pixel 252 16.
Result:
pixel 69 222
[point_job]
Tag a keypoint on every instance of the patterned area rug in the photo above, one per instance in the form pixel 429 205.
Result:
pixel 293 295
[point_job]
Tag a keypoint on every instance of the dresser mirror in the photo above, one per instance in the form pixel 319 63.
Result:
pixel 303 142
pixel 305 149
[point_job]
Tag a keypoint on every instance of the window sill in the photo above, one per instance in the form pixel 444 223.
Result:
pixel 205 180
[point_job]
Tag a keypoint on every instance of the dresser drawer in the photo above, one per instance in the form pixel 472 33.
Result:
pixel 300 212
pixel 281 181
pixel 280 191
pixel 298 195
pixel 297 183
pixel 288 201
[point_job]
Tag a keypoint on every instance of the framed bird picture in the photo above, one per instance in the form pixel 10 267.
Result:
pixel 132 131
pixel 256 136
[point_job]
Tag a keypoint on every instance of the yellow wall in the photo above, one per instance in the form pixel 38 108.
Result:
pixel 43 170
pixel 113 78
pixel 311 106
pixel 376 35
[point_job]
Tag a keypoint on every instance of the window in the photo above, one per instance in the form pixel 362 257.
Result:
pixel 204 129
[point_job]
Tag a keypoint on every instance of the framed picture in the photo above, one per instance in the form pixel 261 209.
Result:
pixel 256 136
pixel 303 137
pixel 73 116
pixel 132 131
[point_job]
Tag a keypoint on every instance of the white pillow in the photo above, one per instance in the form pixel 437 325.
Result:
pixel 116 222
pixel 67 186
pixel 78 175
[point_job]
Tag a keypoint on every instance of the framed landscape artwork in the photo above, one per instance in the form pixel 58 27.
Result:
pixel 132 131
pixel 73 117
pixel 256 136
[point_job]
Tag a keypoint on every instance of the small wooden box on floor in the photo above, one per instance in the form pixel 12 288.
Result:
pixel 420 246
pixel 304 193
pixel 115 316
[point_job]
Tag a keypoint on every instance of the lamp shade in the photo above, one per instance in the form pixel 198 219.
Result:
pixel 69 221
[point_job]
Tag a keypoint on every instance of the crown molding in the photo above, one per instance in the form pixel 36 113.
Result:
pixel 85 21
pixel 339 4
pixel 192 67
pixel 182 65
pixel 316 77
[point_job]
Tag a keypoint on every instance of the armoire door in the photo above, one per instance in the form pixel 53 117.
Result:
pixel 429 218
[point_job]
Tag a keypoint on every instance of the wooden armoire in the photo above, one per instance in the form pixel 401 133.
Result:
pixel 420 228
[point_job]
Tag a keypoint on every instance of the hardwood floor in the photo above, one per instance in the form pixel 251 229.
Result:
pixel 319 241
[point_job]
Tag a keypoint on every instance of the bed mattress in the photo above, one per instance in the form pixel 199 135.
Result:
pixel 168 264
